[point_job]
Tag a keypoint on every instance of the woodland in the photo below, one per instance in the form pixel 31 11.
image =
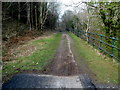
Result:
pixel 26 20
pixel 35 34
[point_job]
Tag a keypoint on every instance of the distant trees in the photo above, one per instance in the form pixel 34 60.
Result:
pixel 100 17
pixel 109 14
pixel 36 15
pixel 68 20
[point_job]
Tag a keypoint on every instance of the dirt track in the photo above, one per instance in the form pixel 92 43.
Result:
pixel 62 66
pixel 63 63
pixel 62 72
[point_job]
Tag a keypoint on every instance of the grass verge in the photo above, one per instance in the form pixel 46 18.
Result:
pixel 104 69
pixel 44 52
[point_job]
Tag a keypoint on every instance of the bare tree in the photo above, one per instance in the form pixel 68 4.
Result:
pixel 31 10
pixel 28 15
pixel 19 11
pixel 43 9
pixel 36 17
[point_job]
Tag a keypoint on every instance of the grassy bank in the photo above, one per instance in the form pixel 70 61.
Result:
pixel 104 69
pixel 43 51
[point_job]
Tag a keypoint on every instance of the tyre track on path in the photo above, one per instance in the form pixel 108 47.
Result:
pixel 63 63
pixel 62 72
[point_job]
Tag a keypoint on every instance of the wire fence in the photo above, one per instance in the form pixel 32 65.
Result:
pixel 107 45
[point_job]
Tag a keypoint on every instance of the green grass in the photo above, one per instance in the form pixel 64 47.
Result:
pixel 105 70
pixel 46 48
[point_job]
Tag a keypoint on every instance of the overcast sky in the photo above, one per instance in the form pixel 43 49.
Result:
pixel 66 5
pixel 67 2
pixel 70 2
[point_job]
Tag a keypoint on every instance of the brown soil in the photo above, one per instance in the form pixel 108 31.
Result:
pixel 62 64
pixel 11 45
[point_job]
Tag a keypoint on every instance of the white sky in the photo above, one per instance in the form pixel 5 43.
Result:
pixel 67 2
pixel 63 4
pixel 70 2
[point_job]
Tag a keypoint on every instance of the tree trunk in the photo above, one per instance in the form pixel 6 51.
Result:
pixel 88 20
pixel 28 15
pixel 43 14
pixel 40 17
pixel 36 17
pixel 19 11
pixel 32 23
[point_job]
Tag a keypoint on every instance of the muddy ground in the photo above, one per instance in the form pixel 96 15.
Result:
pixel 62 72
pixel 63 63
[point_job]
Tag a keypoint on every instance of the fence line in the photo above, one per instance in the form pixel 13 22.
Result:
pixel 100 41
